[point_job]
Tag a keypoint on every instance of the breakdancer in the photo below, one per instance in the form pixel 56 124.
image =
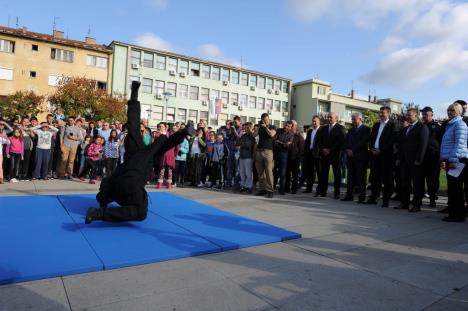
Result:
pixel 126 185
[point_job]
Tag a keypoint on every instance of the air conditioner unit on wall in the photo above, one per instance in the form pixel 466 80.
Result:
pixel 183 74
pixel 158 96
pixel 252 88
pixel 277 92
pixel 172 72
pixel 234 103
pixel 204 103
pixel 225 105
pixel 241 108
pixel 285 114
pixel 225 82
pixel 135 66
pixel 269 111
pixel 269 91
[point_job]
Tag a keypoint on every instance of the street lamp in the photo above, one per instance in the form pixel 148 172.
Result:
pixel 166 99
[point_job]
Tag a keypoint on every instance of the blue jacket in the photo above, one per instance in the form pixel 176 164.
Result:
pixel 455 140
pixel 183 150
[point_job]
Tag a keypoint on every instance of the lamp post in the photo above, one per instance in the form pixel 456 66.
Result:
pixel 166 99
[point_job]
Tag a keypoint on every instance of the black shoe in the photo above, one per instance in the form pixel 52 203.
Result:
pixel 261 192
pixel 347 199
pixel 396 197
pixel 432 203
pixel 415 209
pixel 294 191
pixel 401 206
pixel 385 204
pixel 452 219
pixel 307 191
pixel 242 190
pixel 93 214
pixel 371 201
pixel 336 196
pixel 269 195
pixel 281 193
pixel 361 201
pixel 443 211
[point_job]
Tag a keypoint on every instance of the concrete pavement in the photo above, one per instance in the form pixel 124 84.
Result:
pixel 351 257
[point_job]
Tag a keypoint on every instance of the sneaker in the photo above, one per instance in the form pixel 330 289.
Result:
pixel 13 180
pixel 200 185
pixel 92 182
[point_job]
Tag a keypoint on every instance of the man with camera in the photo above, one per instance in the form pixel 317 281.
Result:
pixel 264 156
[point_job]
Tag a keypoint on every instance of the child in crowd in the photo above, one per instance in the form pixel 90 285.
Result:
pixel 181 163
pixel 111 152
pixel 207 170
pixel 167 164
pixel 15 152
pixel 44 133
pixel 197 157
pixel 3 141
pixel 246 155
pixel 219 156
pixel 94 156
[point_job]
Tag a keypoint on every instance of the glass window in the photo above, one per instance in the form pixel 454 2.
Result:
pixel 205 71
pixel 193 115
pixel 243 119
pixel 170 115
pixel 148 60
pixel 244 79
pixel 234 98
pixel 321 90
pixel 252 102
pixel 243 100
pixel 225 97
pixel 181 114
pixel 62 55
pixel 225 74
pixel 214 94
pixel 253 80
pixel 235 77
pixel 261 82
pixel 204 94
pixel 7 46
pixel 161 62
pixel 284 86
pixel 159 87
pixel 269 104
pixel 194 92
pixel 195 69
pixel 172 64
pixel 252 120
pixel 204 115
pixel 277 123
pixel 147 86
pixel 277 106
pixel 261 103
pixel 277 85
pixel 215 72
pixel 96 61
pixel 158 113
pixel 183 90
pixel 135 57
pixel 222 117
pixel 285 106
pixel 171 88
pixel 183 66
pixel 269 84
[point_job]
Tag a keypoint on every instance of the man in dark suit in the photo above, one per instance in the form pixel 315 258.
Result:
pixel 412 152
pixel 331 141
pixel 381 158
pixel 312 154
pixel 357 155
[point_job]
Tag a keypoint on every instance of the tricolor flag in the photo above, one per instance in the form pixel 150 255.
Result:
pixel 215 108
pixel 218 105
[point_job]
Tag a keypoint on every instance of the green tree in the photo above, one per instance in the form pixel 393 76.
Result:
pixel 370 117
pixel 21 104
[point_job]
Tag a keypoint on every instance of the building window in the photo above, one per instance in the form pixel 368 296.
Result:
pixel 225 74
pixel 161 62
pixel 285 106
pixel 261 82
pixel 32 74
pixel 6 74
pixel 158 113
pixel 277 106
pixel 244 79
pixel 172 64
pixel 101 85
pixel 195 69
pixel 234 98
pixel 204 94
pixel 147 86
pixel 243 100
pixel 194 92
pixel 159 87
pixel 54 80
pixel 235 77
pixel 215 72
pixel 253 80
pixel 61 55
pixel 252 102
pixel 193 115
pixel 277 123
pixel 284 86
pixel 148 60
pixel 252 120
pixel 135 57
pixel 323 107
pixel 205 71
pixel 269 84
pixel 225 97
pixel 170 115
pixel 321 90
pixel 277 85
pixel 183 90
pixel 269 104
pixel 183 66
pixel 204 115
pixel 7 46
pixel 261 103
pixel 96 61
pixel 35 47
pixel 171 88
pixel 222 118
pixel 181 114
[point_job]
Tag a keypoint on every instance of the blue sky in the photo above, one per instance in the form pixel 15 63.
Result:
pixel 412 50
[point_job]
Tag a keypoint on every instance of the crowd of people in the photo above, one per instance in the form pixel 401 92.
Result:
pixel 392 160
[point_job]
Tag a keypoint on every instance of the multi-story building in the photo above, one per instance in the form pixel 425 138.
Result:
pixel 315 97
pixel 175 87
pixel 31 61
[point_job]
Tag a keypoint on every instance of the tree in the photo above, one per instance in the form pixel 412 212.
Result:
pixel 370 118
pixel 79 96
pixel 21 104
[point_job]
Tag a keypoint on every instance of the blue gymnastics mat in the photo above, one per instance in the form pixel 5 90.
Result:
pixel 39 240
pixel 131 243
pixel 229 231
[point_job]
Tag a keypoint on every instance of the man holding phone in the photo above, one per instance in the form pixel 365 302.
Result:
pixel 70 137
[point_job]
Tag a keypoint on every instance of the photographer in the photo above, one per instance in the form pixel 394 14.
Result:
pixel 264 156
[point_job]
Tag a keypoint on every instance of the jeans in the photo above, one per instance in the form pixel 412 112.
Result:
pixel 283 167
pixel 15 160
pixel 246 173
pixel 41 167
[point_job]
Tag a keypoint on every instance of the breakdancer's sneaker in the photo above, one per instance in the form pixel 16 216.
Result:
pixel 93 214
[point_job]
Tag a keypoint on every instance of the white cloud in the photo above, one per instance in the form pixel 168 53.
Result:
pixel 151 40
pixel 214 53
pixel 159 4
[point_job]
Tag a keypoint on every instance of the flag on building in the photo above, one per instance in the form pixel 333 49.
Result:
pixel 215 107
pixel 218 105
